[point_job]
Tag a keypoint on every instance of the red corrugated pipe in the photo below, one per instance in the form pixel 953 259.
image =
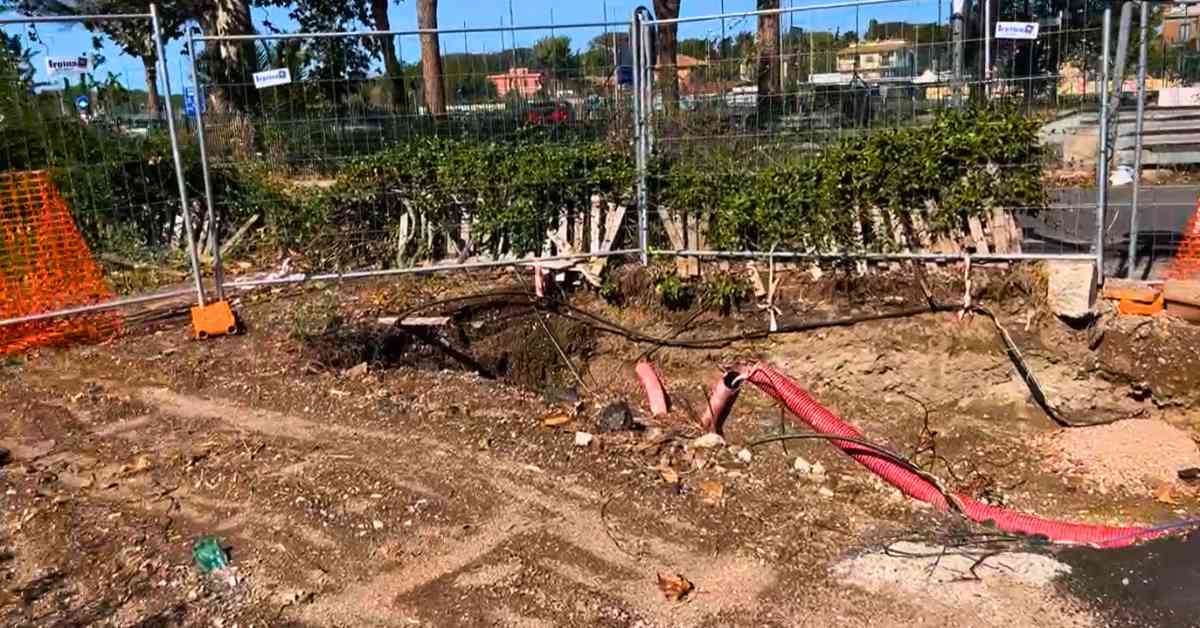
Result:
pixel 653 387
pixel 803 407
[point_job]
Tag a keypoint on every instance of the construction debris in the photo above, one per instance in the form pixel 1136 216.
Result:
pixel 1071 290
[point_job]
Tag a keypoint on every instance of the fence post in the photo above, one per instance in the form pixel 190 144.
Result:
pixel 214 231
pixel 1102 158
pixel 179 177
pixel 1144 9
pixel 639 111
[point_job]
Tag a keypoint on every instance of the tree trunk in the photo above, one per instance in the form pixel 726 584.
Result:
pixel 668 36
pixel 387 48
pixel 431 59
pixel 767 46
pixel 233 18
pixel 151 67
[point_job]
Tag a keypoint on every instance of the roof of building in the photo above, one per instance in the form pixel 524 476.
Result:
pixel 875 46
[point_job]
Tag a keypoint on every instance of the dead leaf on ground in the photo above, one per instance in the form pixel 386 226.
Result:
pixel 669 475
pixel 556 420
pixel 675 587
pixel 712 493
pixel 141 463
pixel 1163 495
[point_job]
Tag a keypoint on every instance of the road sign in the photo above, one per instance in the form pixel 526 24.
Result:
pixel 271 78
pixel 1016 30
pixel 190 101
pixel 82 102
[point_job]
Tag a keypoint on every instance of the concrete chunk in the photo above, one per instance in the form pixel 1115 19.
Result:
pixel 1072 288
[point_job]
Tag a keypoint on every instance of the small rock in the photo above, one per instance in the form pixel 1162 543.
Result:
pixel 583 439
pixel 615 417
pixel 745 456
pixel 825 491
pixel 801 465
pixel 357 372
pixel 708 441
pixel 561 395
pixel 818 469
pixel 377 524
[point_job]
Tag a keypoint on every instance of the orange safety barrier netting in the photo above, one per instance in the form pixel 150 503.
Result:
pixel 45 266
pixel 1186 264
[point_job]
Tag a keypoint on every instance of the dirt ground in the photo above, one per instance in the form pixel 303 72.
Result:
pixel 415 492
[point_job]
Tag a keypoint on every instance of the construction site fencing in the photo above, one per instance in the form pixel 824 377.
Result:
pixel 866 130
pixel 91 178
pixel 366 175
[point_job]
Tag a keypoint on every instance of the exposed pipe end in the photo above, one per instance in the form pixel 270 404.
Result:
pixel 720 401
pixel 655 396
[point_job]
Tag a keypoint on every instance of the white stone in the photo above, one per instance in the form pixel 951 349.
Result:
pixel 1071 291
pixel 708 441
pixel 583 439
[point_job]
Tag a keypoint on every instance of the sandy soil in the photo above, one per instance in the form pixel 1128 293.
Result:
pixel 421 494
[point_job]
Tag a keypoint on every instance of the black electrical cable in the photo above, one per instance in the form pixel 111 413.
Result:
pixel 566 310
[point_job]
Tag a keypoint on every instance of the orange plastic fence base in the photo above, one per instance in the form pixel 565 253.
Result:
pixel 212 320
pixel 1136 308
pixel 45 265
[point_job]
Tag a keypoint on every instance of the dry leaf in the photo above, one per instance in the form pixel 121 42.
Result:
pixel 712 493
pixel 674 588
pixel 671 476
pixel 1163 495
pixel 556 420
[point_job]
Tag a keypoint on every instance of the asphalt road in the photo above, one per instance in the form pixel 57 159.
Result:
pixel 1070 225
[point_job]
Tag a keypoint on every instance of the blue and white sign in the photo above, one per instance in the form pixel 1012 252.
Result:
pixel 82 102
pixel 190 101
pixel 271 78
pixel 1016 30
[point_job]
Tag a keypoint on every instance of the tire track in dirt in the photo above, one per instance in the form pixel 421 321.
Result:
pixel 565 512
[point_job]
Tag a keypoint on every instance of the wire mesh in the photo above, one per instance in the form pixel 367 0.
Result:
pixel 355 167
pixel 827 130
pixel 83 120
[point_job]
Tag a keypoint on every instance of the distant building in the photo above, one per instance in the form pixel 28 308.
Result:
pixel 1181 25
pixel 520 80
pixel 874 60
pixel 684 66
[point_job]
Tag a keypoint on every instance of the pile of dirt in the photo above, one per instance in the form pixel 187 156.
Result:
pixel 1130 456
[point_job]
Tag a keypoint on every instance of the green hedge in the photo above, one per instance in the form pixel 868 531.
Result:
pixel 964 164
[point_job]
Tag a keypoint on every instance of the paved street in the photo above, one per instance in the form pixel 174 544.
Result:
pixel 1163 212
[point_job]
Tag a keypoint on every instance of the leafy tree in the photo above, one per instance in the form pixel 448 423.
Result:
pixel 696 48
pixel 604 53
pixel 133 37
pixel 554 53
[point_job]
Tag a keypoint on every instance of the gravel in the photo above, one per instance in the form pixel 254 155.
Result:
pixel 1131 455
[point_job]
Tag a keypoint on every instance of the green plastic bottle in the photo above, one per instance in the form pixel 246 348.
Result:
pixel 209 555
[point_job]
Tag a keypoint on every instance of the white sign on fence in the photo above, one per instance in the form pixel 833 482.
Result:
pixel 62 66
pixel 271 78
pixel 1016 30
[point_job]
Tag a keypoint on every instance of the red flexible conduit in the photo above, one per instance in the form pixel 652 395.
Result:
pixel 803 406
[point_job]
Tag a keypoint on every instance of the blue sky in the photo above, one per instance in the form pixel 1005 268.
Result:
pixel 60 40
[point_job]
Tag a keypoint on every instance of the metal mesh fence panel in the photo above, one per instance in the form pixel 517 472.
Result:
pixel 93 210
pixel 332 140
pixel 870 129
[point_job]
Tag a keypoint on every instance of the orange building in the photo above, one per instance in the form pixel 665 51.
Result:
pixel 520 80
